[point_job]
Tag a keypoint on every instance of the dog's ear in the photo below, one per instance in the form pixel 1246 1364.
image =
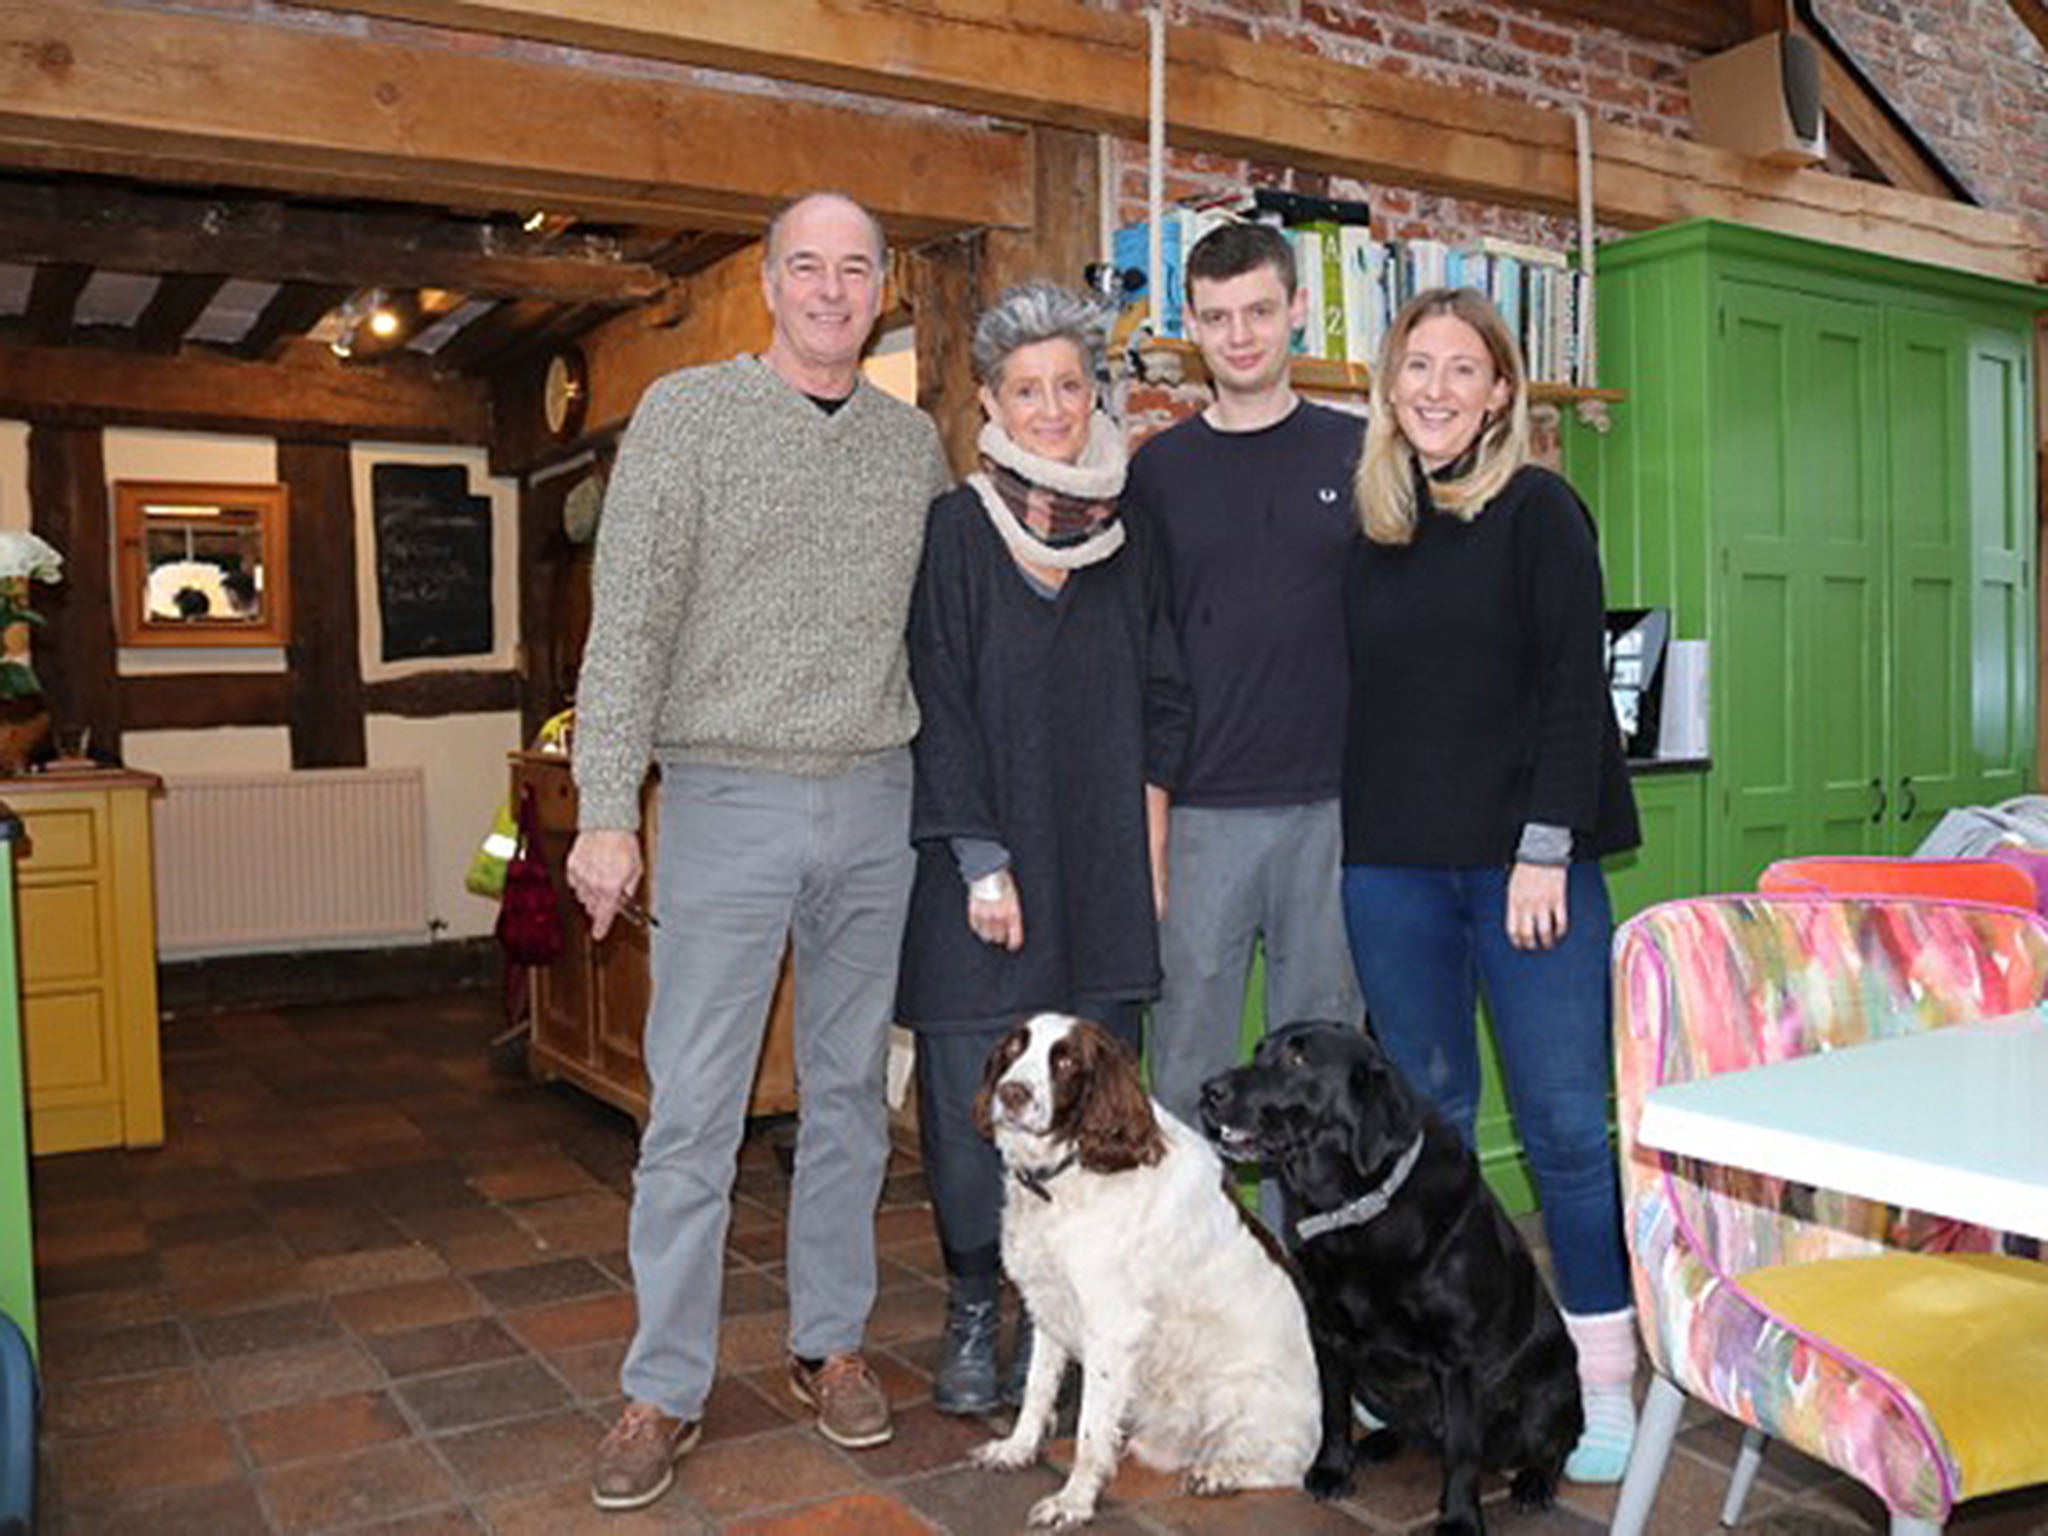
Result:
pixel 1113 1126
pixel 1383 1117
pixel 1007 1050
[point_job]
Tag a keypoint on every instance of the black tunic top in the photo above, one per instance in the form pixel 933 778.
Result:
pixel 1478 687
pixel 1043 720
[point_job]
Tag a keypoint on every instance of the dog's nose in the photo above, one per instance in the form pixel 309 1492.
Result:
pixel 1014 1097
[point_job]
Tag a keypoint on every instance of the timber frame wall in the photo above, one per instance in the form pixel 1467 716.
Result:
pixel 976 144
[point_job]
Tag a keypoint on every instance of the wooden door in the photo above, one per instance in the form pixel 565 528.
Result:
pixel 2001 493
pixel 1927 446
pixel 1799 511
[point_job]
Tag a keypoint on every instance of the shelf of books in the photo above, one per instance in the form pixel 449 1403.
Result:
pixel 1335 376
pixel 1356 284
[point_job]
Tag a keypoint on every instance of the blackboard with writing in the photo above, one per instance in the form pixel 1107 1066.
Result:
pixel 433 561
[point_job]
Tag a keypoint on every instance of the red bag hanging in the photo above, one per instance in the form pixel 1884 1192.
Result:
pixel 529 917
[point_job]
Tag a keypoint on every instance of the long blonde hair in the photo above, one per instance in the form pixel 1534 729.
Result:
pixel 1384 488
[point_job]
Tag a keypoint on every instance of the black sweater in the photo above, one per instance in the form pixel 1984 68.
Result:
pixel 1478 687
pixel 1043 720
pixel 1254 527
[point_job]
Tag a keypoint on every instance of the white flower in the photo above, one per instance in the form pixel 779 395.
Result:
pixel 24 555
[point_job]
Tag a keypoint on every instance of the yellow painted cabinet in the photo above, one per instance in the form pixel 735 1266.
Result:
pixel 86 907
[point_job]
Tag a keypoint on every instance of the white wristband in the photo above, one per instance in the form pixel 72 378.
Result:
pixel 990 887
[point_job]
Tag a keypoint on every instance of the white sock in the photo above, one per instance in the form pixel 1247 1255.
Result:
pixel 1607 1373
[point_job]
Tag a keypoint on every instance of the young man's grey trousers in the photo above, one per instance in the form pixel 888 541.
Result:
pixel 746 859
pixel 1236 876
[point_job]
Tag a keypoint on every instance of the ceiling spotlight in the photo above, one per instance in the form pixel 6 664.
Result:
pixel 383 321
pixel 535 220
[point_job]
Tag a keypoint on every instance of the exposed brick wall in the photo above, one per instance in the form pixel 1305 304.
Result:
pixel 1501 49
pixel 1971 79
pixel 1471 45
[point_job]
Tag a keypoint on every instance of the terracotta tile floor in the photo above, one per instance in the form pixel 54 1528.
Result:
pixel 370 1285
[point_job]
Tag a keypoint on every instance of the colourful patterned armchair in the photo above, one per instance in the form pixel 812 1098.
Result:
pixel 1909 1351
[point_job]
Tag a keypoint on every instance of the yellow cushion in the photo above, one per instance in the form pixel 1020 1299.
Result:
pixel 1967 1332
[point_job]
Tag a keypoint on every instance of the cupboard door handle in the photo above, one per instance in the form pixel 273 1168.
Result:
pixel 1877 815
pixel 1912 800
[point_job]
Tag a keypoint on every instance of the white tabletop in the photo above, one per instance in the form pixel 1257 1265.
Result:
pixel 1952 1121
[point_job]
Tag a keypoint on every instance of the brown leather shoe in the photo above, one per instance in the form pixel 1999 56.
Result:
pixel 852 1409
pixel 636 1460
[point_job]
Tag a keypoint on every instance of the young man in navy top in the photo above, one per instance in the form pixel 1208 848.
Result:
pixel 1253 502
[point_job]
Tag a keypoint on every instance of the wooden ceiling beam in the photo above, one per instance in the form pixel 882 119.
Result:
pixel 53 301
pixel 1066 63
pixel 292 311
pixel 179 300
pixel 359 248
pixel 491 335
pixel 87 85
pixel 309 395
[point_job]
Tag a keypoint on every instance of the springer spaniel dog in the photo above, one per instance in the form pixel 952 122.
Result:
pixel 1123 1241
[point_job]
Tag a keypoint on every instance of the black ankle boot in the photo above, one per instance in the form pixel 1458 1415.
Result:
pixel 966 1379
pixel 1020 1359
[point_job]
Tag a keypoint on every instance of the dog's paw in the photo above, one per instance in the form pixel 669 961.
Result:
pixel 1327 1481
pixel 1004 1455
pixel 1062 1509
pixel 1212 1478
pixel 1532 1490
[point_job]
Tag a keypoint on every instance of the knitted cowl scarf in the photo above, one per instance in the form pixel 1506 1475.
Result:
pixel 1049 513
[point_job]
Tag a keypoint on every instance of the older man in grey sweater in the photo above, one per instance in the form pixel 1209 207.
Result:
pixel 754 567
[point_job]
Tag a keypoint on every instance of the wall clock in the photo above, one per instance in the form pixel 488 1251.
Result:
pixel 565 394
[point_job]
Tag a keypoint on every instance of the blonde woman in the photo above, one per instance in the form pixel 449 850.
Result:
pixel 1483 782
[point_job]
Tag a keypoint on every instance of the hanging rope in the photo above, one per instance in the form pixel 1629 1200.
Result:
pixel 1591 413
pixel 1155 164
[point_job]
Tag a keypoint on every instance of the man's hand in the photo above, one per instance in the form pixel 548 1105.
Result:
pixel 604 869
pixel 998 916
pixel 1536 914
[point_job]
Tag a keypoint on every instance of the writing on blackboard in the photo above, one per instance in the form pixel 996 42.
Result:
pixel 433 561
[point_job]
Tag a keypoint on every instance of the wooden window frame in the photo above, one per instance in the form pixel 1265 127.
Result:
pixel 136 626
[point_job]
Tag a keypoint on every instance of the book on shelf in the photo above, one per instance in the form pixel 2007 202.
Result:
pixel 1354 284
pixel 1363 262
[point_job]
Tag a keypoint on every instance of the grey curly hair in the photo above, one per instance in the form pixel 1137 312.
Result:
pixel 1031 313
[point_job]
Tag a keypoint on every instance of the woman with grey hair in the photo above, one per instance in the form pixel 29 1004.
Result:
pixel 1055 718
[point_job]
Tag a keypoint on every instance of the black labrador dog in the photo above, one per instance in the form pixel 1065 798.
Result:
pixel 1423 1301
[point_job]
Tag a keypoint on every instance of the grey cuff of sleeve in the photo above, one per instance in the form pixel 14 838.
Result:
pixel 600 811
pixel 979 856
pixel 1544 844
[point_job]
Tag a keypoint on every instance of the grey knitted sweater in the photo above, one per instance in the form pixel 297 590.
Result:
pixel 754 568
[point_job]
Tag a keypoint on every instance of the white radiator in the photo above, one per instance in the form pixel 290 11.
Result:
pixel 290 860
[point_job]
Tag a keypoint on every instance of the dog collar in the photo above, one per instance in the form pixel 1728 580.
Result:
pixel 1357 1213
pixel 1035 1179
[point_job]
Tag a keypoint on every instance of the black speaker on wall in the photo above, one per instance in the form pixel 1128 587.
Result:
pixel 1763 99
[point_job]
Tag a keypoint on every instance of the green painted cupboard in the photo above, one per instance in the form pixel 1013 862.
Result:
pixel 1825 468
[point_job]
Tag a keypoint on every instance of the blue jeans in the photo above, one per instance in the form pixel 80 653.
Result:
pixel 1424 939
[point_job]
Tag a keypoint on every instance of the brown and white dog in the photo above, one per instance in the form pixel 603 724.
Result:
pixel 1120 1236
